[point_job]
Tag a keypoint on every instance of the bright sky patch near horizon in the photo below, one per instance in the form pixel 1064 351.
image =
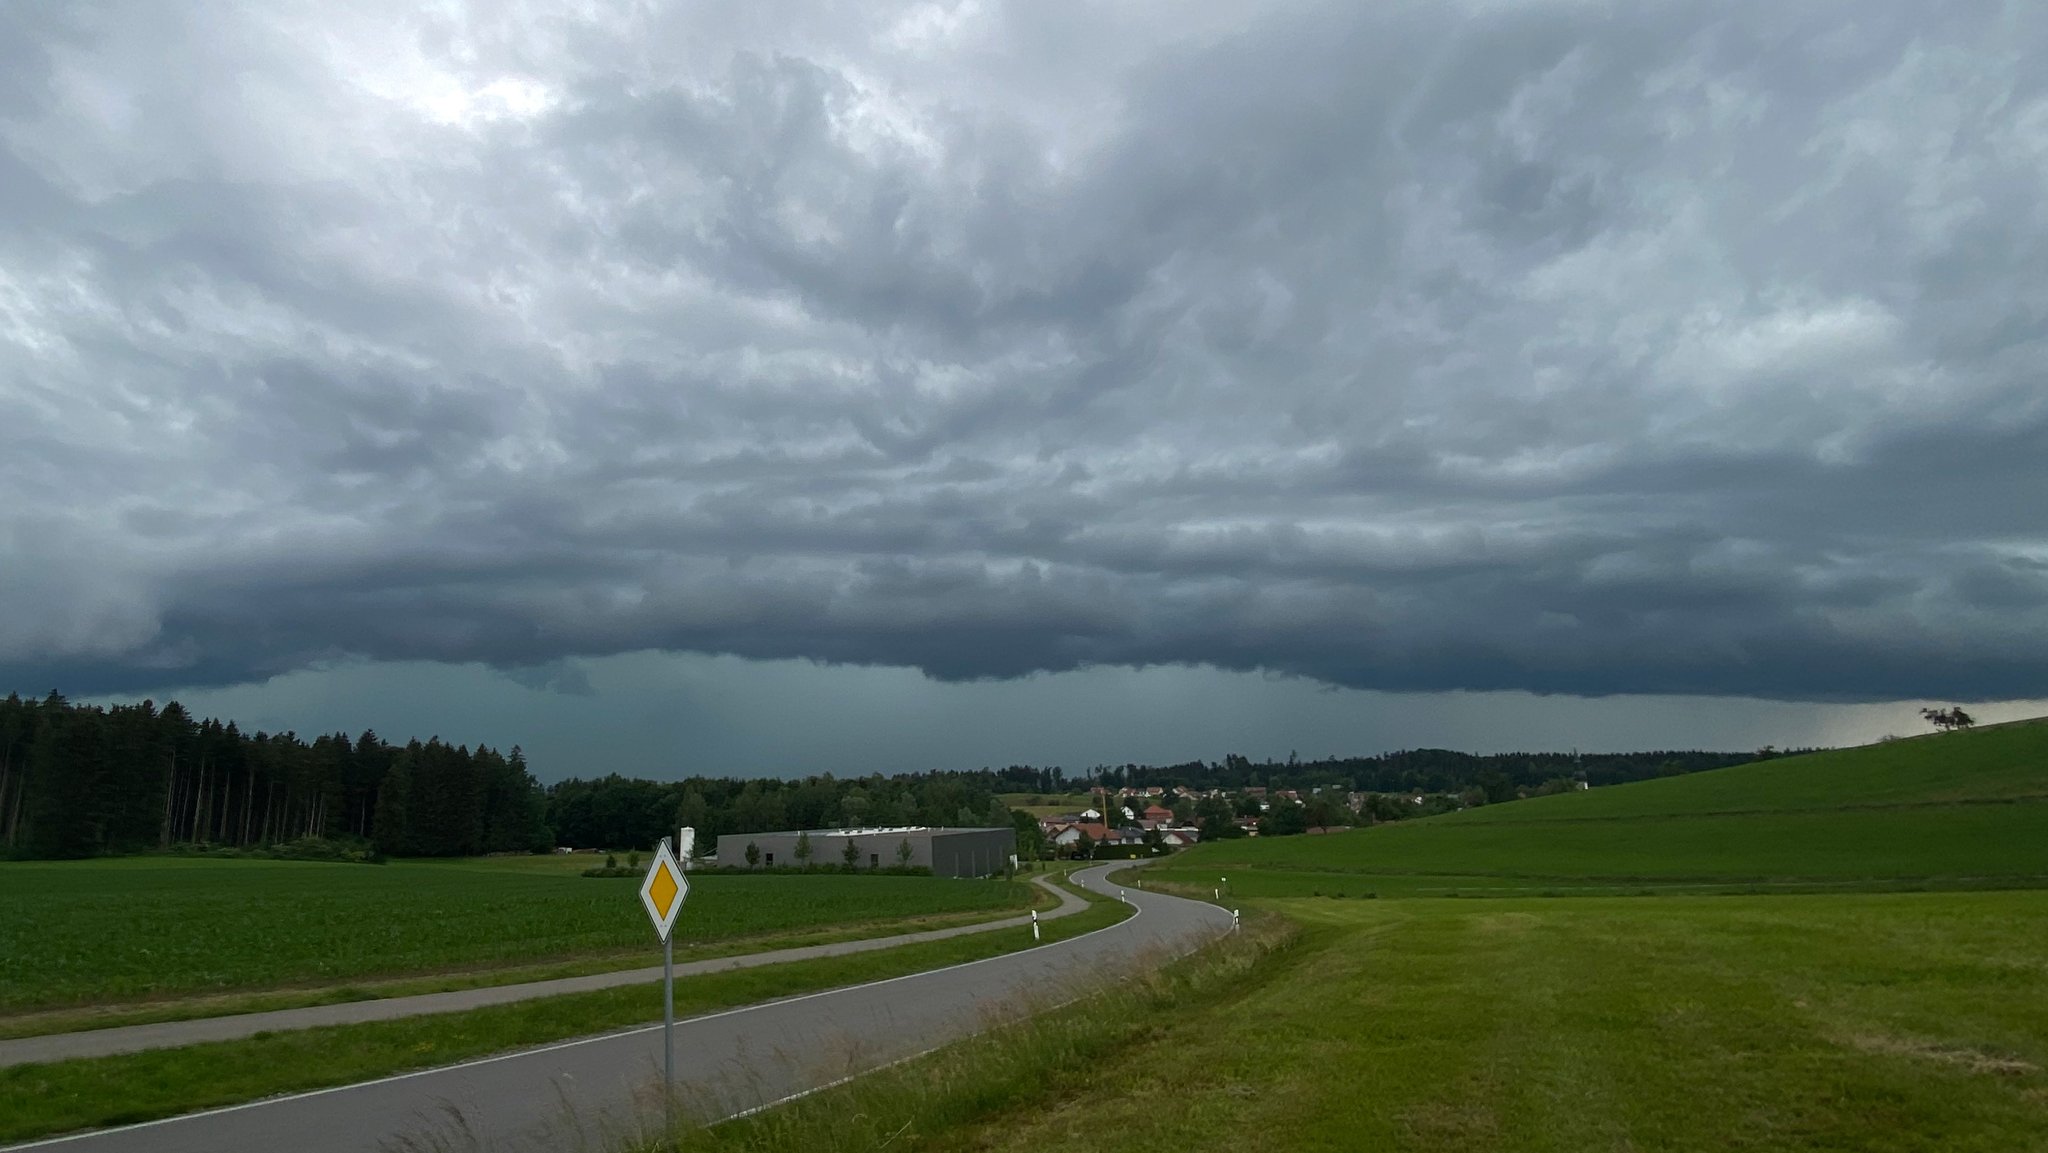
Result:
pixel 715 387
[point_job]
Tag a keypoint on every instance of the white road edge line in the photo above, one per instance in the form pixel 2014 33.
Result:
pixel 800 1094
pixel 80 1136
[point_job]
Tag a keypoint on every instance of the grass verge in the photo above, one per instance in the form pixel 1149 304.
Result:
pixel 1010 1068
pixel 47 1099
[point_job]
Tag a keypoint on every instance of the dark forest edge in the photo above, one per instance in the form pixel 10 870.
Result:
pixel 91 780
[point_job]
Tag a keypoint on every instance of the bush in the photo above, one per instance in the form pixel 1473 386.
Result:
pixel 344 850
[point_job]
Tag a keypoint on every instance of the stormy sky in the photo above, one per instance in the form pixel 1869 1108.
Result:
pixel 797 387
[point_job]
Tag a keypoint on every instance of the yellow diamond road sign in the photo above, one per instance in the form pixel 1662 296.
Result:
pixel 663 890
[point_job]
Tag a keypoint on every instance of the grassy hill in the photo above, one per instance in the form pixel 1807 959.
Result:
pixel 1956 809
pixel 1899 1021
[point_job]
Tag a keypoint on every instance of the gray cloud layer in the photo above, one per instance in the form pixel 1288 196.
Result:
pixel 1567 347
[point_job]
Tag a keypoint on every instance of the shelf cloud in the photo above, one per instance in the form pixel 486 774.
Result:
pixel 1685 348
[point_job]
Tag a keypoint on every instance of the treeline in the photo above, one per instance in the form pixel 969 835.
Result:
pixel 85 780
pixel 1408 771
pixel 628 812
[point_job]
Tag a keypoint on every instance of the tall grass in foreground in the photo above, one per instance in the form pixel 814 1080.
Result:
pixel 1016 1061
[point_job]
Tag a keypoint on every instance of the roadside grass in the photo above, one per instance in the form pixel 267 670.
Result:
pixel 1011 1067
pixel 46 1099
pixel 1887 1022
pixel 102 932
pixel 1965 809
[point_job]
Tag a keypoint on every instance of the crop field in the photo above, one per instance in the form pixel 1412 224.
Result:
pixel 1967 809
pixel 43 1099
pixel 87 932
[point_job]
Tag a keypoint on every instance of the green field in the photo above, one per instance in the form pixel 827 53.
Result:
pixel 1965 809
pixel 94 932
pixel 40 1100
pixel 1046 804
pixel 1779 1019
pixel 1902 1021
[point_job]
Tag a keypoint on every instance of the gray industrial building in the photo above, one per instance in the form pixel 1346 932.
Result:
pixel 946 852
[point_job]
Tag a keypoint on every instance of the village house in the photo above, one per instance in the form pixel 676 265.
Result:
pixel 1069 836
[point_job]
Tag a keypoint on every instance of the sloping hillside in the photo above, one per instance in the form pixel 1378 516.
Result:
pixel 1956 809
pixel 1998 763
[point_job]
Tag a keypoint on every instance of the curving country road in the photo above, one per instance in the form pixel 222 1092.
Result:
pixel 583 1094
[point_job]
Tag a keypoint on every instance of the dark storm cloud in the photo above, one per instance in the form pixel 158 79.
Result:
pixel 1558 347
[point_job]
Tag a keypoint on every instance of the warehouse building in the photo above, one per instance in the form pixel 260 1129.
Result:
pixel 946 852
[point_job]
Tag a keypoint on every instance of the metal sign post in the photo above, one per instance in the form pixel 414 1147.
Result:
pixel 662 892
pixel 668 1014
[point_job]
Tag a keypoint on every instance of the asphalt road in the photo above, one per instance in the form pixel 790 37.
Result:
pixel 172 1034
pixel 585 1094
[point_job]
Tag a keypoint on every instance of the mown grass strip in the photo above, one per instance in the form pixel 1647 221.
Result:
pixel 1011 1067
pixel 43 1100
pixel 1897 1022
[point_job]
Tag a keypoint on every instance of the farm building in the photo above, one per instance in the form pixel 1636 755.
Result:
pixel 946 852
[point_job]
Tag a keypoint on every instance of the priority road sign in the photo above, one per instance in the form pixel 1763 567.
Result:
pixel 663 890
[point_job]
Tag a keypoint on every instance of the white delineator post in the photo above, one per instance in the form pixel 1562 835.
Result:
pixel 1034 924
pixel 686 841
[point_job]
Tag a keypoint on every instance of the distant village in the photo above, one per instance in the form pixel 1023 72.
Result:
pixel 1154 819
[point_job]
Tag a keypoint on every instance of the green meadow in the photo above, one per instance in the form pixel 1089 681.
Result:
pixel 125 929
pixel 1046 804
pixel 1879 1022
pixel 1744 963
pixel 1967 809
